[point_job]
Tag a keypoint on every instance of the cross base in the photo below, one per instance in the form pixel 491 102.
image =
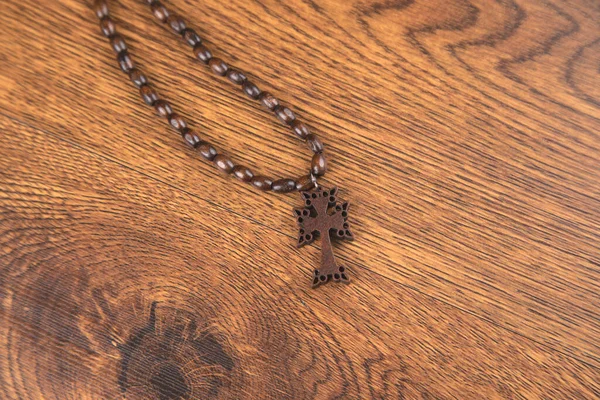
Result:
pixel 335 275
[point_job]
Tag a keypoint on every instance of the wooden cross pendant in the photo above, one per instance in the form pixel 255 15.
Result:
pixel 323 217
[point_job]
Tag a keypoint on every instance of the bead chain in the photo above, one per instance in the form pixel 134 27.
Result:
pixel 219 67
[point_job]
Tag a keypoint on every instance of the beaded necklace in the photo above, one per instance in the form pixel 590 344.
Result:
pixel 321 215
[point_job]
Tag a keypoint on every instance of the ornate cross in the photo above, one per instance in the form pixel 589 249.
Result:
pixel 323 217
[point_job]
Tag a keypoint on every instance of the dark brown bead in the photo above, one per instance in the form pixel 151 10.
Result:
pixel 284 114
pixel 148 94
pixel 160 12
pixel 224 163
pixel 318 165
pixel 191 37
pixel 206 150
pixel 137 77
pixel 236 76
pixel 118 43
pixel 268 100
pixel 284 185
pixel 163 108
pixel 107 26
pixel 300 129
pixel 243 173
pixel 305 183
pixel 176 23
pixel 251 89
pixel 177 121
pixel 218 66
pixel 314 143
pixel 262 183
pixel 101 8
pixel 190 137
pixel 125 61
pixel 202 53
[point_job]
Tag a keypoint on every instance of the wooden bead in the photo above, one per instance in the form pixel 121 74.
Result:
pixel 148 94
pixel 251 89
pixel 163 108
pixel 101 8
pixel 305 183
pixel 284 185
pixel 176 23
pixel 191 37
pixel 218 66
pixel 118 43
pixel 284 114
pixel 300 129
pixel 125 61
pixel 314 143
pixel 236 76
pixel 243 173
pixel 268 100
pixel 207 150
pixel 202 53
pixel 107 26
pixel 318 165
pixel 262 183
pixel 177 121
pixel 137 77
pixel 223 163
pixel 190 137
pixel 160 12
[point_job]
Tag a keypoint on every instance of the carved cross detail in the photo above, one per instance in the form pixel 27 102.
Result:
pixel 323 217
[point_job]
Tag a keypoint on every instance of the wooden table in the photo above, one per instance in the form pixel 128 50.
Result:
pixel 465 133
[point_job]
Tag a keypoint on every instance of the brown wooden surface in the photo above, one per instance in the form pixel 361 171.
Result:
pixel 465 133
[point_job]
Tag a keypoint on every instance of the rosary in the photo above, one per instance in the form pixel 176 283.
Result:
pixel 321 215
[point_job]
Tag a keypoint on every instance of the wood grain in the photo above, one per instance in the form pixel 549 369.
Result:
pixel 464 132
pixel 137 300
